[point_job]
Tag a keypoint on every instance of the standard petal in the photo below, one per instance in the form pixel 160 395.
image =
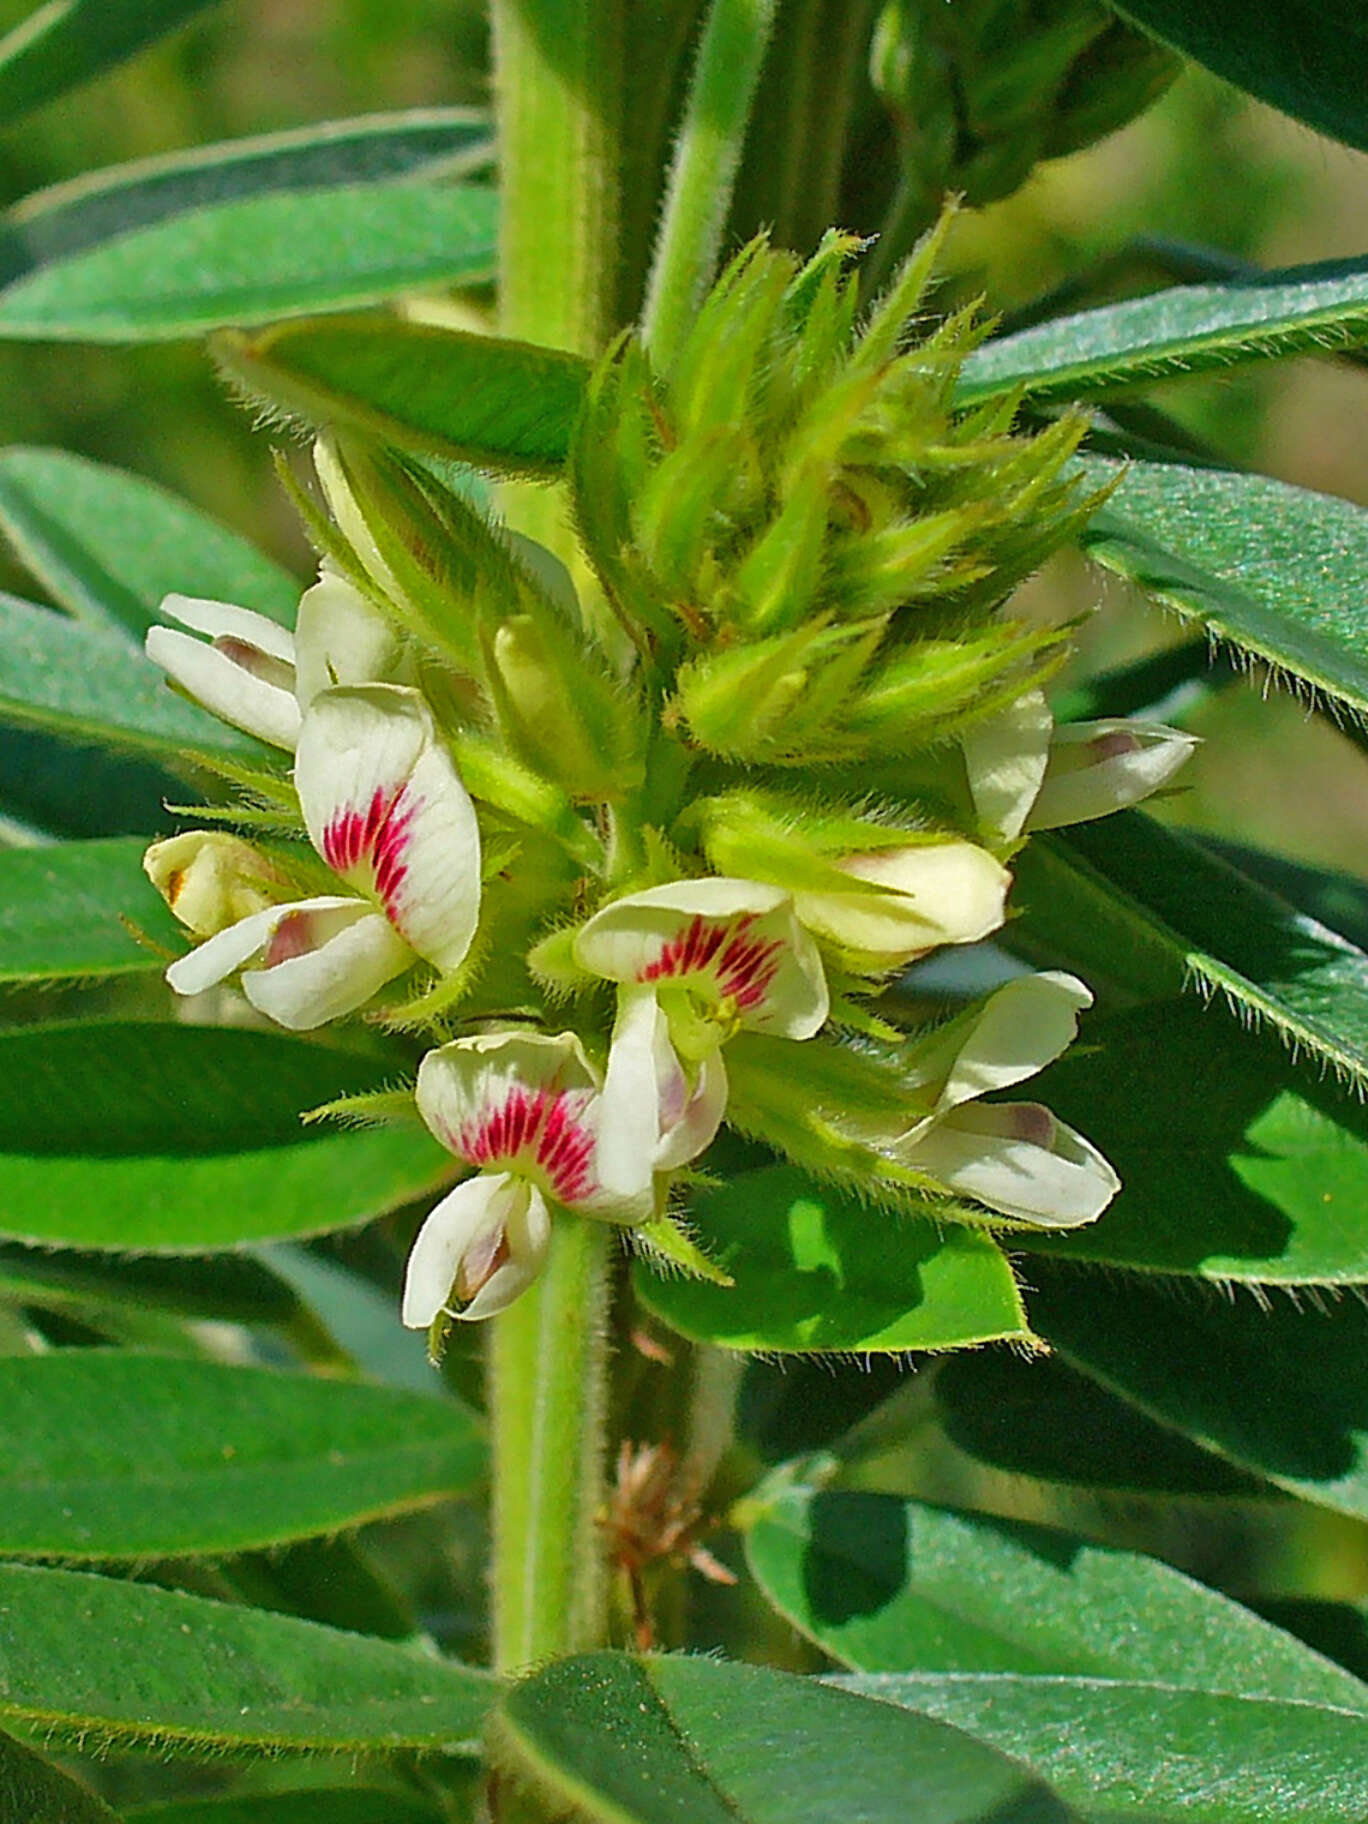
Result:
pixel 341 638
pixel 737 944
pixel 226 686
pixel 933 893
pixel 1099 767
pixel 1018 1159
pixel 385 808
pixel 319 965
pixel 224 620
pixel 525 1102
pixel 1017 1031
pixel 482 1245
pixel 1005 758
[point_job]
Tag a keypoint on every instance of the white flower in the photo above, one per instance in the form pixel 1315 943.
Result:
pixel 256 674
pixel 212 880
pixel 525 1109
pixel 1016 1157
pixel 902 902
pixel 385 808
pixel 1026 774
pixel 658 1112
pixel 731 950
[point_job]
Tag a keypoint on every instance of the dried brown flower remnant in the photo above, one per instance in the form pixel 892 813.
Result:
pixel 654 1514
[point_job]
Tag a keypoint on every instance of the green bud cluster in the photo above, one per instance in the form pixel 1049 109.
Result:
pixel 800 528
pixel 982 90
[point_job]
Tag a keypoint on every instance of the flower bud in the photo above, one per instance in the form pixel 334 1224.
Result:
pixel 903 902
pixel 211 880
pixel 1098 767
pixel 567 720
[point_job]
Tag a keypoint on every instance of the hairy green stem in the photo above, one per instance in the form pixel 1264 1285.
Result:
pixel 547 1386
pixel 558 88
pixel 703 174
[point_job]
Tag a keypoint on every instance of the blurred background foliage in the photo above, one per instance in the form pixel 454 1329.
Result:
pixel 1205 168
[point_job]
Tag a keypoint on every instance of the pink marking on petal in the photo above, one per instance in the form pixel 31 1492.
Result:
pixel 377 838
pixel 292 937
pixel 535 1127
pixel 742 966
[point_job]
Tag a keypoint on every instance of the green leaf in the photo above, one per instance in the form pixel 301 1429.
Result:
pixel 884 1585
pixel 1278 1390
pixel 257 259
pixel 231 1287
pixel 107 1455
pixel 1126 901
pixel 1130 1753
pixel 108 545
pixel 66 42
pixel 88 684
pixel 507 406
pixel 1306 57
pixel 697 1741
pixel 33 1791
pixel 1277 571
pixel 1236 1163
pixel 90 209
pixel 177 1139
pixel 63 910
pixel 309 1805
pixel 815 1269
pixel 359 1318
pixel 1186 329
pixel 214 1675
pixel 53 789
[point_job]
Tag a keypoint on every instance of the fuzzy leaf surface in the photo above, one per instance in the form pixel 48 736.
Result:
pixel 1306 57
pixel 66 42
pixel 90 685
pixel 309 1805
pixel 504 405
pixel 107 1455
pixel 1236 1163
pixel 1186 329
pixel 885 1585
pixel 698 1741
pixel 88 210
pixel 108 545
pixel 176 1139
pixel 62 909
pixel 232 1287
pixel 257 259
pixel 815 1270
pixel 1133 1753
pixel 215 1675
pixel 1129 902
pixel 1275 1389
pixel 1275 570
pixel 33 1791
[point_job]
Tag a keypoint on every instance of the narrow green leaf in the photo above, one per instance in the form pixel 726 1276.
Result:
pixel 214 1675
pixel 1306 57
pixel 55 789
pixel 65 42
pixel 107 1455
pixel 90 209
pixel 231 1287
pixel 257 259
pixel 698 1741
pixel 63 910
pixel 89 684
pixel 108 545
pixel 815 1270
pixel 1278 1390
pixel 1132 1753
pixel 1186 329
pixel 1127 901
pixel 309 1805
pixel 1277 571
pixel 1236 1164
pixel 359 1318
pixel 504 405
pixel 177 1139
pixel 33 1791
pixel 884 1585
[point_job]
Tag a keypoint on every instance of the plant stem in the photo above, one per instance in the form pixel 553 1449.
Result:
pixel 547 1391
pixel 558 84
pixel 703 174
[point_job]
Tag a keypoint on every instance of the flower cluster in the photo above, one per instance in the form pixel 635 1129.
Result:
pixel 638 854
